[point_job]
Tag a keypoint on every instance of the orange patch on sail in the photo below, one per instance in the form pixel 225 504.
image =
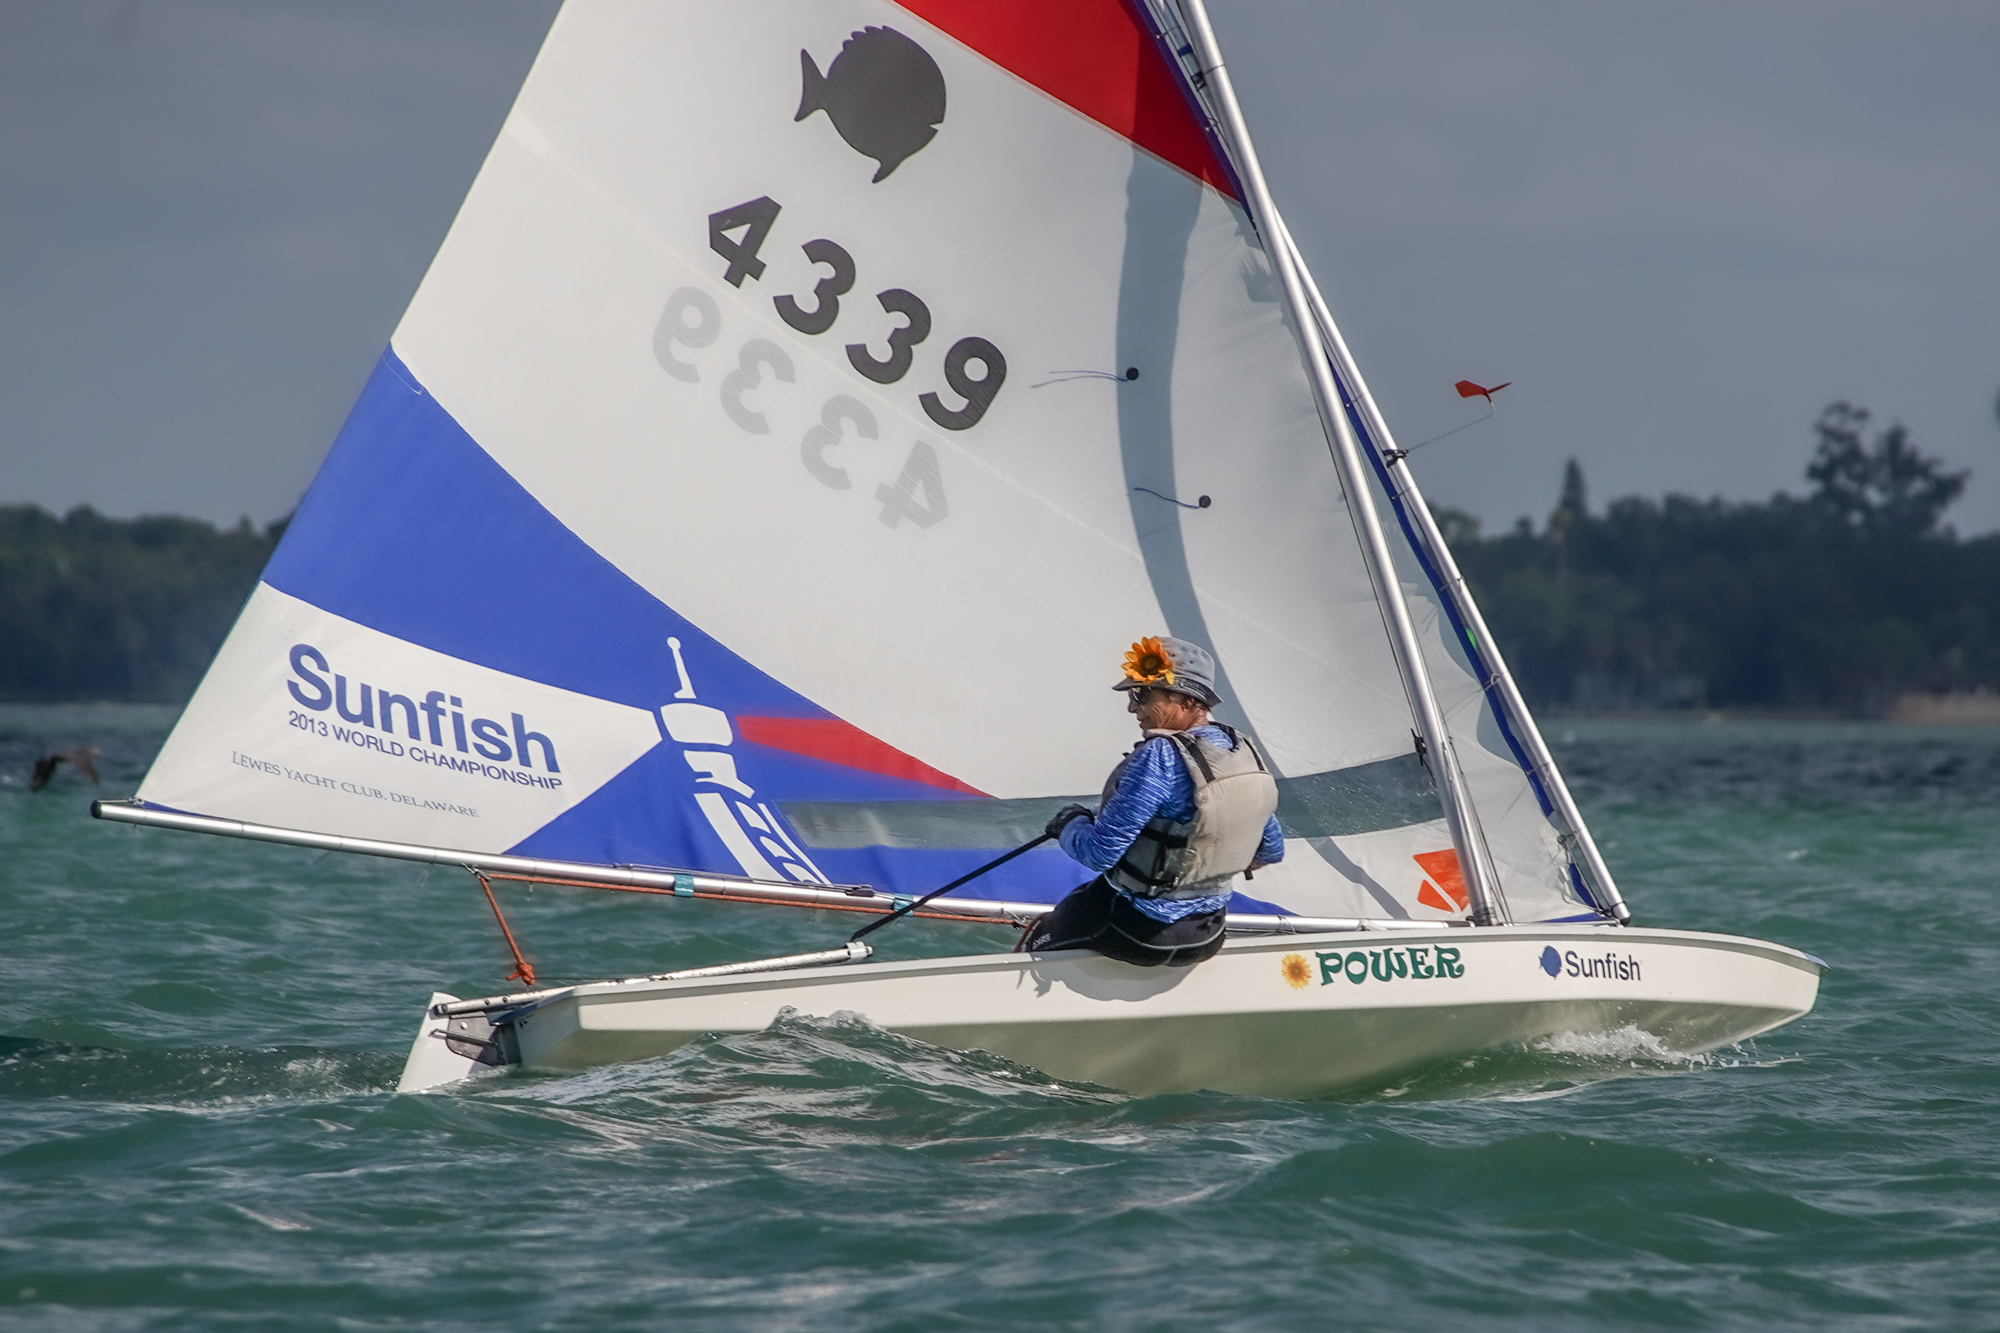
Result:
pixel 1443 867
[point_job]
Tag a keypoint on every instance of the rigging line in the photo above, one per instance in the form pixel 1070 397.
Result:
pixel 1510 710
pixel 524 971
pixel 1066 376
pixel 712 896
pixel 1201 502
pixel 1381 611
pixel 966 878
pixel 1393 454
pixel 1388 480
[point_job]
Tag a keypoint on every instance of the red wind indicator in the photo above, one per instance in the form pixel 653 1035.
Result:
pixel 1467 389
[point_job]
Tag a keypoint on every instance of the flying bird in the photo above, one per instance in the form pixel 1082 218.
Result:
pixel 1467 389
pixel 80 757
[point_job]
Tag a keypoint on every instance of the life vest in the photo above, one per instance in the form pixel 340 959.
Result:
pixel 1234 797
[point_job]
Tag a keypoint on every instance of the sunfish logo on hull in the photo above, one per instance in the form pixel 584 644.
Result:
pixel 1605 966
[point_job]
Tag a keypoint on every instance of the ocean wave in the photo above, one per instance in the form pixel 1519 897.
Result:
pixel 188 1078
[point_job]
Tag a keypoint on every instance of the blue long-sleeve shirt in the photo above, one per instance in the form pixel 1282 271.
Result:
pixel 1156 782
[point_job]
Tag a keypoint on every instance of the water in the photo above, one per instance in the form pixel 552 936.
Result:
pixel 196 1127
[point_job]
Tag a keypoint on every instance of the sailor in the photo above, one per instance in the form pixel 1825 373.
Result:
pixel 1183 814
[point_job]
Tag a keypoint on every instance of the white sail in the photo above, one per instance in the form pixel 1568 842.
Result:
pixel 807 407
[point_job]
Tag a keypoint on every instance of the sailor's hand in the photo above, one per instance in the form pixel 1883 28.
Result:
pixel 1062 817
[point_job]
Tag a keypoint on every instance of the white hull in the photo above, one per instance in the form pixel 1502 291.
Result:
pixel 1284 1016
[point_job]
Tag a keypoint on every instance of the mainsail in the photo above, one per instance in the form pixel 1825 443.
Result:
pixel 808 405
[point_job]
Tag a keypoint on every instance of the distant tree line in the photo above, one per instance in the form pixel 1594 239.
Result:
pixel 102 608
pixel 1843 599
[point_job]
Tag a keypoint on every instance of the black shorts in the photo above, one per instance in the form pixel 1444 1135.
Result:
pixel 1097 916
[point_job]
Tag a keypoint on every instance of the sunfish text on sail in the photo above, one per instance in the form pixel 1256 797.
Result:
pixel 368 740
pixel 376 708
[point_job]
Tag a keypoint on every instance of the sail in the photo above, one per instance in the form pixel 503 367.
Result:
pixel 808 405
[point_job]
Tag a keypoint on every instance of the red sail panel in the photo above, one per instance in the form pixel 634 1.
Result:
pixel 1095 56
pixel 839 742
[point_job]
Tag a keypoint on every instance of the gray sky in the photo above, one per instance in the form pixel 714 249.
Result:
pixel 1680 229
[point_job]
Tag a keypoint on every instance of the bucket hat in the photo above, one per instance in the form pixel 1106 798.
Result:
pixel 1168 663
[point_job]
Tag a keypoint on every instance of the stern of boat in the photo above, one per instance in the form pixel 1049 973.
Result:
pixel 448 1049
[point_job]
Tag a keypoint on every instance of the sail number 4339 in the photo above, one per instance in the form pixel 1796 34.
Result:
pixel 738 233
pixel 692 321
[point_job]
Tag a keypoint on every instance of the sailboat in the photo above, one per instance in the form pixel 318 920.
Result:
pixel 797 373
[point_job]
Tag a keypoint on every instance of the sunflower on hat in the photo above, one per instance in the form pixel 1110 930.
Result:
pixel 1149 663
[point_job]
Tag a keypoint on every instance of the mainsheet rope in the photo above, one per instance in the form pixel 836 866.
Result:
pixel 524 971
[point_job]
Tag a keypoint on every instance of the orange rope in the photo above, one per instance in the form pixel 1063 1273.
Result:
pixel 524 971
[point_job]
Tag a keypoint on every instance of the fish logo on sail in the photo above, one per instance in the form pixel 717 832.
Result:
pixel 883 93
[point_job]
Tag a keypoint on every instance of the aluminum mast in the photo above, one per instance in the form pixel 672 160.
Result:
pixel 1482 883
pixel 1543 764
